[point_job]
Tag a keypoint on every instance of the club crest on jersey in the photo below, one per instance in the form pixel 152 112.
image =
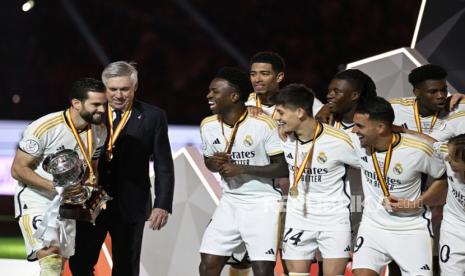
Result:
pixel 398 169
pixel 322 158
pixel 248 141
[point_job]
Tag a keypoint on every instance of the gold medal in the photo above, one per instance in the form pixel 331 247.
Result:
pixel 294 192
pixel 109 156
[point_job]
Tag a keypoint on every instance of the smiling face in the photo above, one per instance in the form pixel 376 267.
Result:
pixel 341 96
pixel 367 130
pixel 432 94
pixel 221 96
pixel 290 119
pixel 264 79
pixel 120 92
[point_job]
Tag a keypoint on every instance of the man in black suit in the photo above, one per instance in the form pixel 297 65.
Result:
pixel 136 132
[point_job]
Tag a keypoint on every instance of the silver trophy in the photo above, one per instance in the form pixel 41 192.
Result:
pixel 78 201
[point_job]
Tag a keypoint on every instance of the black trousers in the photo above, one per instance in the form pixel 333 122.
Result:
pixel 126 241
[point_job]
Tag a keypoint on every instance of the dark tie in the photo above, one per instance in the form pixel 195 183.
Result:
pixel 117 118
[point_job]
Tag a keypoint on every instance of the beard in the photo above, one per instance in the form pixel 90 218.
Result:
pixel 91 118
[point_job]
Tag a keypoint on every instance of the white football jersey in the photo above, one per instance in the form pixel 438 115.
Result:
pixel 454 210
pixel 46 135
pixel 324 198
pixel 256 140
pixel 405 116
pixel 270 109
pixel 411 157
pixel 455 125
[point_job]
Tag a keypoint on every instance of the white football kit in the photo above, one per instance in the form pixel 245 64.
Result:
pixel 319 217
pixel 49 134
pixel 354 180
pixel 455 125
pixel 452 241
pixel 401 237
pixel 249 207
pixel 270 109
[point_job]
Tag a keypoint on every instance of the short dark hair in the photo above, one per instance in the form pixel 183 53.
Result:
pixel 459 144
pixel 426 72
pixel 80 88
pixel 276 61
pixel 296 95
pixel 237 79
pixel 378 109
pixel 360 82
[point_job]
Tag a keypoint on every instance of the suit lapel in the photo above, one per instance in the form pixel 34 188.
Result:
pixel 135 120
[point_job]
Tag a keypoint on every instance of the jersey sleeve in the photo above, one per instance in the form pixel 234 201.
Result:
pixel 350 156
pixel 273 144
pixel 433 164
pixel 251 101
pixel 30 143
pixel 317 105
pixel 207 147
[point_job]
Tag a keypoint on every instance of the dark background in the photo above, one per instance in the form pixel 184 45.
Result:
pixel 42 51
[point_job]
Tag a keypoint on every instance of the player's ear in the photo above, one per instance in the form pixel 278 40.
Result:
pixel 76 104
pixel 355 96
pixel 235 96
pixel 280 77
pixel 301 113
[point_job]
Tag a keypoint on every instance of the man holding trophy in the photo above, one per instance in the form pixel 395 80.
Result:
pixel 55 164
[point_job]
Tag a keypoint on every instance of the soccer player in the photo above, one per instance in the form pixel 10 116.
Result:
pixel 345 91
pixel 452 243
pixel 318 214
pixel 48 238
pixel 396 219
pixel 266 73
pixel 247 153
pixel 428 110
pixel 428 113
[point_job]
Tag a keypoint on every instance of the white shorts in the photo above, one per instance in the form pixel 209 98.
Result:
pixel 29 222
pixel 302 244
pixel 451 252
pixel 254 224
pixel 411 250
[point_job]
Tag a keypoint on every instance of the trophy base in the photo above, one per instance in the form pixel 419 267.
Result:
pixel 89 210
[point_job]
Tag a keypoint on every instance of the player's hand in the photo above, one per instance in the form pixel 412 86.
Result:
pixel 254 111
pixel 230 169
pixel 324 115
pixel 158 218
pixel 454 100
pixel 401 205
pixel 219 158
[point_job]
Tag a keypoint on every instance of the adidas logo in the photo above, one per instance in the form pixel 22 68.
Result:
pixel 60 148
pixel 425 267
pixel 347 249
pixel 289 155
pixel 216 142
pixel 270 252
pixel 404 125
pixel 24 206
pixel 364 158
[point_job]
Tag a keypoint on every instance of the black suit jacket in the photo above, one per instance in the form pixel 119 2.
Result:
pixel 126 176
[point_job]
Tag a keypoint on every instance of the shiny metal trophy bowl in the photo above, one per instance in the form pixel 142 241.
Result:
pixel 78 202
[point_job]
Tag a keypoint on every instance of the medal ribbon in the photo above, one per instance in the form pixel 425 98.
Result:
pixel 114 134
pixel 298 171
pixel 387 160
pixel 232 137
pixel 87 155
pixel 258 104
pixel 418 121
